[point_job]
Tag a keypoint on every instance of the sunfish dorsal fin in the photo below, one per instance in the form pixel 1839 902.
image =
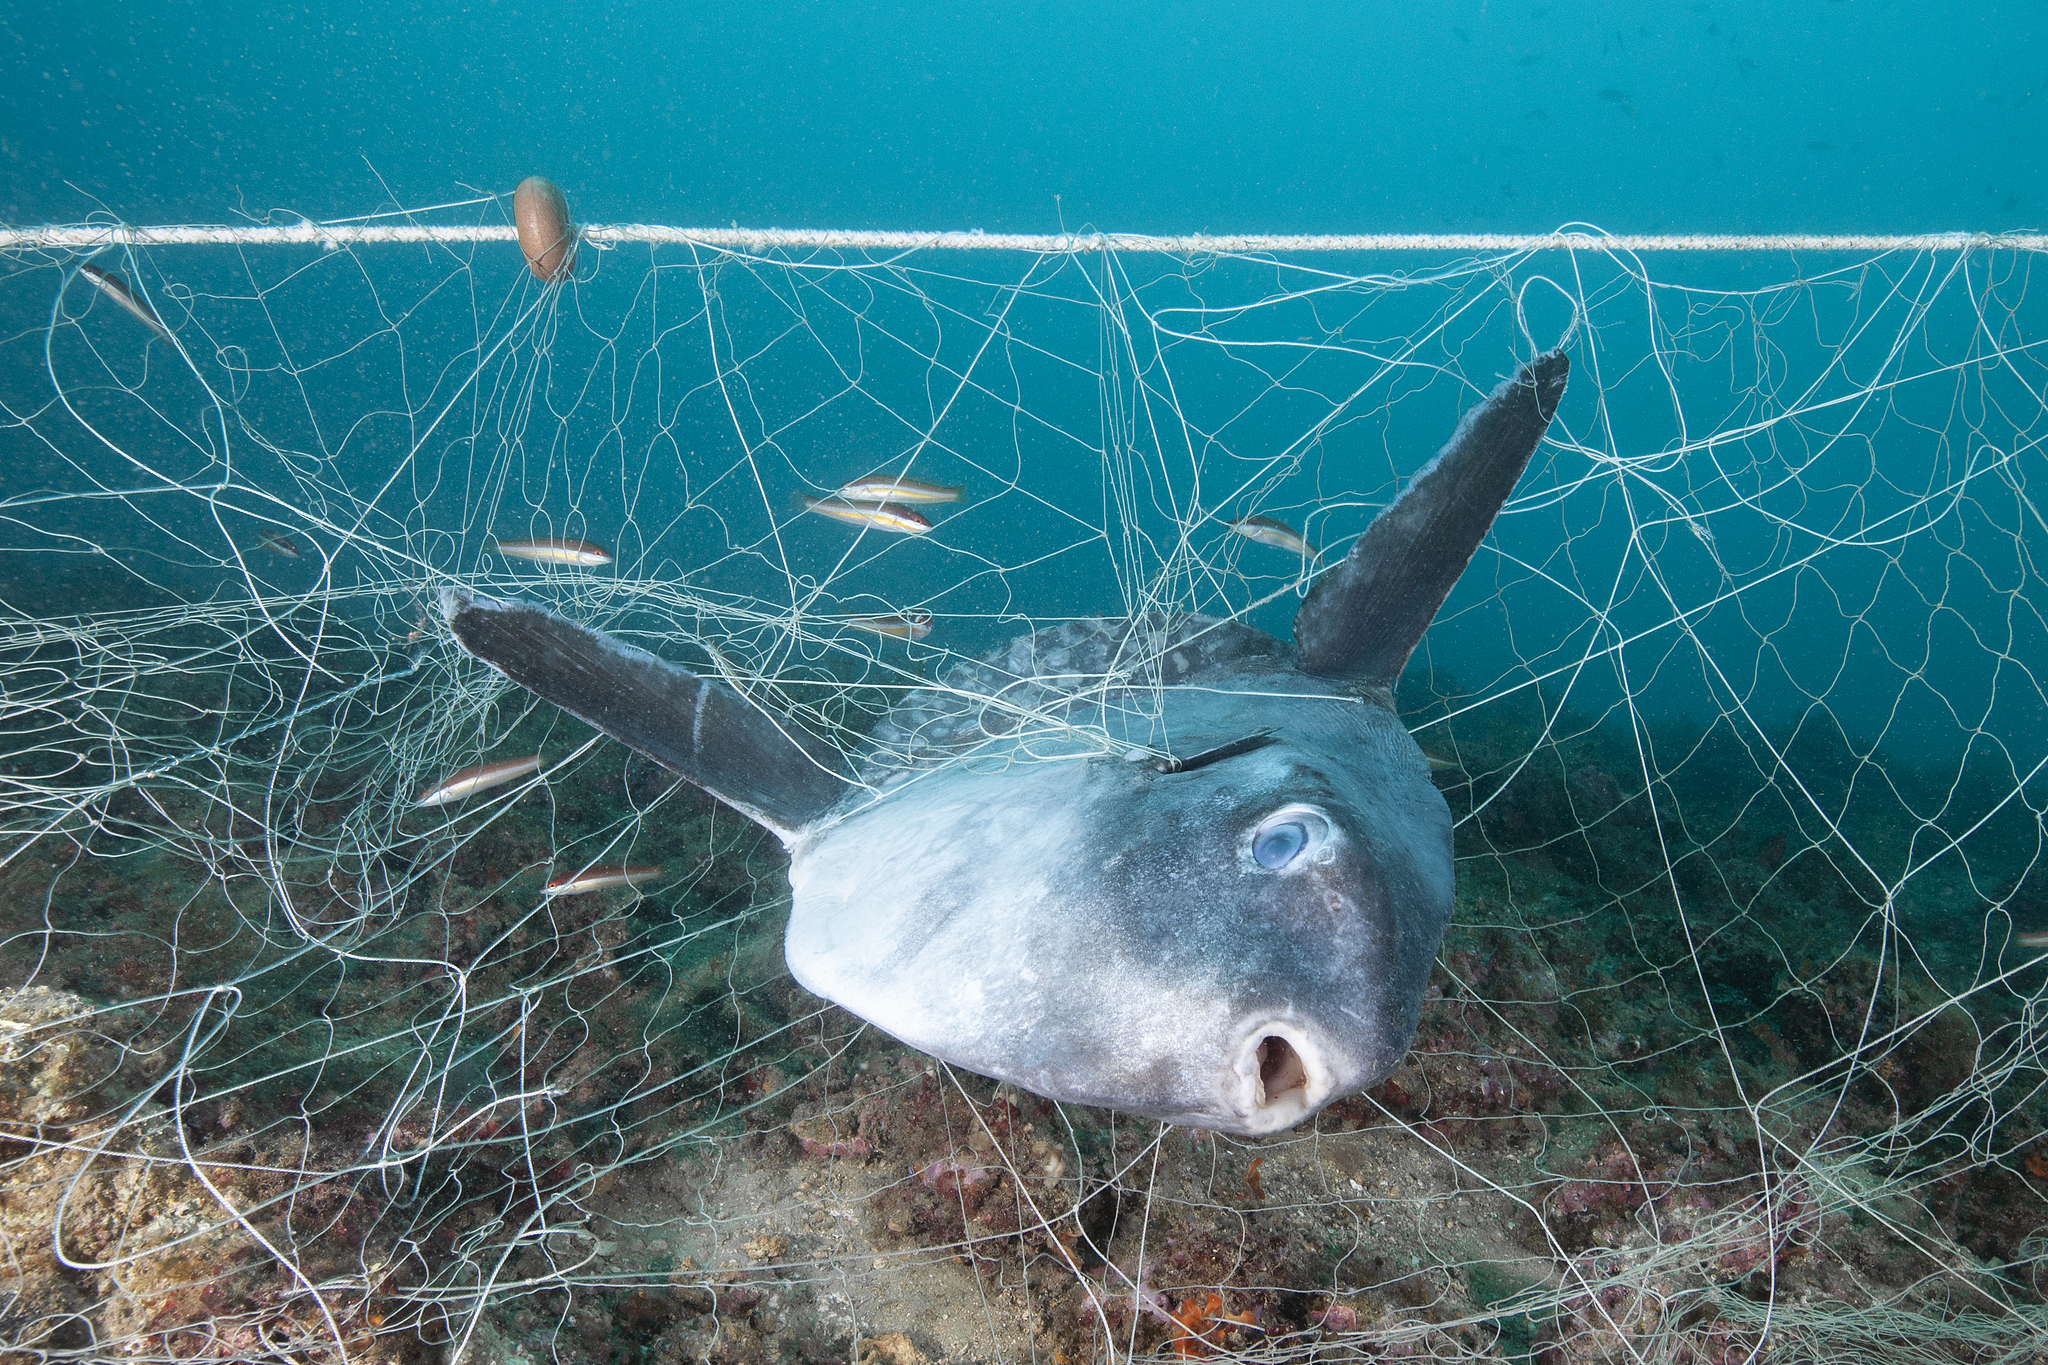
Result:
pixel 1365 616
pixel 763 767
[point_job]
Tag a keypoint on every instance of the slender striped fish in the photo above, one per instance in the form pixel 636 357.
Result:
pixel 278 543
pixel 913 624
pixel 556 551
pixel 898 488
pixel 460 786
pixel 2036 938
pixel 116 288
pixel 883 516
pixel 598 879
pixel 1277 534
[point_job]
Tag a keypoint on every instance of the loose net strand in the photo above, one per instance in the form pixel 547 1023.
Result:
pixel 1735 1046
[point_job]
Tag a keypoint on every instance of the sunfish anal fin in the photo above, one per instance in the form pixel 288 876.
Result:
pixel 1366 615
pixel 765 768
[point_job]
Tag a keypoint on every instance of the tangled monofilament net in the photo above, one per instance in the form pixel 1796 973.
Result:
pixel 1732 1047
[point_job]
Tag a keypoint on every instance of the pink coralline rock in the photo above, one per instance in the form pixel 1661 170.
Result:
pixel 1338 1317
pixel 828 1135
pixel 949 1175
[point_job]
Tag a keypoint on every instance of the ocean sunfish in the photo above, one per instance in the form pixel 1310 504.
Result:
pixel 1166 864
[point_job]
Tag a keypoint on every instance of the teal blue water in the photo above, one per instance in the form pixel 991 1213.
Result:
pixel 1700 116
pixel 1692 116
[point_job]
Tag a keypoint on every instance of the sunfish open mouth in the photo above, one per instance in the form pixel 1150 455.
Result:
pixel 1278 1077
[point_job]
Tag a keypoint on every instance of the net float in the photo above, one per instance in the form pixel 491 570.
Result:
pixel 546 236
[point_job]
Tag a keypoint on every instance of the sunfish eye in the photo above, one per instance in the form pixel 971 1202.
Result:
pixel 1285 835
pixel 1275 848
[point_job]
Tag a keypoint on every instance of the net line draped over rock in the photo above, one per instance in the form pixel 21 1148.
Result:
pixel 1735 1043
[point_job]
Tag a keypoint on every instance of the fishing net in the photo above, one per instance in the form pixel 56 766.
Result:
pixel 1734 1045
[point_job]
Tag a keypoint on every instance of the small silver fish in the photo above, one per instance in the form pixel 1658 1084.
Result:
pixel 913 624
pixel 883 516
pixel 898 488
pixel 2036 938
pixel 461 785
pixel 598 879
pixel 1278 534
pixel 278 543
pixel 116 288
pixel 552 550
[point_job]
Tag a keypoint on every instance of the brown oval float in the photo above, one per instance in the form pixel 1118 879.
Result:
pixel 545 233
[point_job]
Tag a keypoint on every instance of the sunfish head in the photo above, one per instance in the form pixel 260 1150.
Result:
pixel 1231 947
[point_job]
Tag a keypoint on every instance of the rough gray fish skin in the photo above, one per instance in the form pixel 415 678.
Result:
pixel 759 764
pixel 1094 930
pixel 1364 617
pixel 994 880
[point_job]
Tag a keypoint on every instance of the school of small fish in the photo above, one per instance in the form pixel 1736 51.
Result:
pixel 881 501
pixel 884 502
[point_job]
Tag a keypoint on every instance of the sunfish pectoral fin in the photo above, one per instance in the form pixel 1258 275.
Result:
pixel 1365 616
pixel 760 765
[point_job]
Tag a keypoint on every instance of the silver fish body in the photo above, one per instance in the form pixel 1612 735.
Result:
pixel 913 624
pixel 882 516
pixel 467 782
pixel 1278 534
pixel 588 879
pixel 116 288
pixel 556 550
pixel 899 488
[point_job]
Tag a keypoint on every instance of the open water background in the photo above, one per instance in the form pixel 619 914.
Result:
pixel 1701 115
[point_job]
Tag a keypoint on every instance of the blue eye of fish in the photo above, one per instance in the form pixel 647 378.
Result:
pixel 1275 848
pixel 1284 837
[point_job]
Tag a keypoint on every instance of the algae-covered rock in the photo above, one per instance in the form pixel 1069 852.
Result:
pixel 52 1063
pixel 120 1234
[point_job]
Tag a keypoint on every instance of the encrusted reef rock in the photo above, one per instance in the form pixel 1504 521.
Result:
pixel 52 1064
pixel 155 1260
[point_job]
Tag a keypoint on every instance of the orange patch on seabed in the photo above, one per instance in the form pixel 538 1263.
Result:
pixel 1200 1322
pixel 2036 1165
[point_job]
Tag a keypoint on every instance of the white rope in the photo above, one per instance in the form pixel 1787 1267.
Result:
pixel 334 236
